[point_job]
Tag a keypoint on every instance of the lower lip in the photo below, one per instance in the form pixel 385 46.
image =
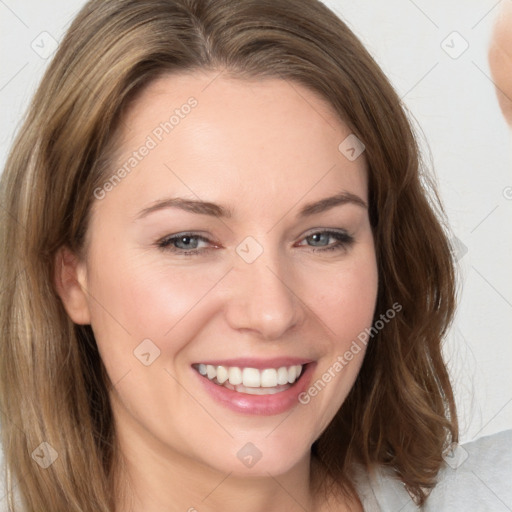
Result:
pixel 263 405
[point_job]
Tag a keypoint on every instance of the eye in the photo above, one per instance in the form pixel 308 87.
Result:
pixel 184 243
pixel 187 244
pixel 342 240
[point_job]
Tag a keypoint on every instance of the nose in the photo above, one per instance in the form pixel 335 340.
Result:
pixel 264 297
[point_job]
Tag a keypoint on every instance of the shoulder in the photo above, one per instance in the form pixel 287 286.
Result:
pixel 476 477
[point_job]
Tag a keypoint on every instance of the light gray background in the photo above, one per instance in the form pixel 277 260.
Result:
pixel 454 103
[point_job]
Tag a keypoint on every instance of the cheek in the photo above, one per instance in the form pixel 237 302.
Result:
pixel 134 299
pixel 345 306
pixel 345 299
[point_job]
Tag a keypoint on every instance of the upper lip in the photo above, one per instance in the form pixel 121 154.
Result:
pixel 260 364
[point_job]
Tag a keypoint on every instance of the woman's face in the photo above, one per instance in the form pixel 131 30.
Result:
pixel 253 270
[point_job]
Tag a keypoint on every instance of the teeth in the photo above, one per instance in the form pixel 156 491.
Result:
pixel 282 375
pixel 258 391
pixel 235 375
pixel 222 374
pixel 269 378
pixel 251 378
pixel 292 374
pixel 211 372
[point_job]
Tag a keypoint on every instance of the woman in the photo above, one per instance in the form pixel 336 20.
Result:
pixel 224 284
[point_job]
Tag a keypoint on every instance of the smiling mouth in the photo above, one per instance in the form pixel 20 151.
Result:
pixel 252 381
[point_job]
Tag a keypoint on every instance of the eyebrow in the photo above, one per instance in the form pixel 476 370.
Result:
pixel 221 212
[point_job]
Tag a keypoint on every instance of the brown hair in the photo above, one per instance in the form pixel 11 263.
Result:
pixel 53 385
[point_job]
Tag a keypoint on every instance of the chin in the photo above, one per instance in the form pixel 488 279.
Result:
pixel 259 458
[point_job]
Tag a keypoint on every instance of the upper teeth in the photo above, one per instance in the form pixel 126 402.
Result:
pixel 251 377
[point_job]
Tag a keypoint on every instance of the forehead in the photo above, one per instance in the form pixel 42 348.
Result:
pixel 210 135
pixel 217 89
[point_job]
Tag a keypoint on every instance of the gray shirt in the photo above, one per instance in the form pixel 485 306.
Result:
pixel 477 477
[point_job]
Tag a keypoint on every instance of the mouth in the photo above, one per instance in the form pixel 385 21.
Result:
pixel 252 381
pixel 259 387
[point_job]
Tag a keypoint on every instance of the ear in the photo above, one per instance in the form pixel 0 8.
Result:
pixel 70 279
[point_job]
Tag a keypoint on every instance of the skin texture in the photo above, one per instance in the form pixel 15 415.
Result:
pixel 500 59
pixel 264 149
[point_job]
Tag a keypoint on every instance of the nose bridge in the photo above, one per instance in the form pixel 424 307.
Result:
pixel 262 299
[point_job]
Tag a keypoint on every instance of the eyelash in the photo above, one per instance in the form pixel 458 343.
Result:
pixel 343 241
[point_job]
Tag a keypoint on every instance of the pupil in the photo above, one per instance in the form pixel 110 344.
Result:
pixel 185 240
pixel 317 236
